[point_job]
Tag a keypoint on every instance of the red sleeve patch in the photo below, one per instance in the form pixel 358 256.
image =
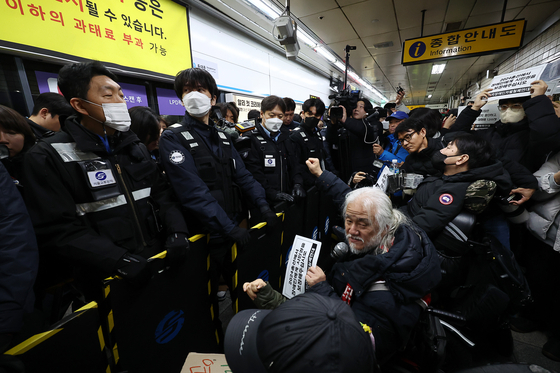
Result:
pixel 446 199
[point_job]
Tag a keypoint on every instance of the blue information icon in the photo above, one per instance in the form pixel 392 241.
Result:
pixel 417 49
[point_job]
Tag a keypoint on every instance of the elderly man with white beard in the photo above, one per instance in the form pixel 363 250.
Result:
pixel 387 276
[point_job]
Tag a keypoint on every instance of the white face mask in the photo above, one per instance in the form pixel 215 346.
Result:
pixel 273 124
pixel 116 115
pixel 385 124
pixel 197 104
pixel 510 116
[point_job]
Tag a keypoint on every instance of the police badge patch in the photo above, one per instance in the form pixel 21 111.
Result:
pixel 176 157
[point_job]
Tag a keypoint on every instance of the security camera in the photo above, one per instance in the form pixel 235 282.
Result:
pixel 287 36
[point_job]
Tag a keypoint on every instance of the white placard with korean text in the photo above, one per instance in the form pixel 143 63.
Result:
pixel 515 84
pixel 304 254
pixel 383 181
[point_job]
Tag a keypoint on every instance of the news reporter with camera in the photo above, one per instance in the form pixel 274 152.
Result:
pixel 364 130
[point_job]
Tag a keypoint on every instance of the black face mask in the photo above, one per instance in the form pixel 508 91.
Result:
pixel 309 123
pixel 438 160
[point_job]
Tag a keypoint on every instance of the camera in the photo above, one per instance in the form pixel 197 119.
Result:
pixel 348 99
pixel 515 214
pixel 400 90
pixel 287 36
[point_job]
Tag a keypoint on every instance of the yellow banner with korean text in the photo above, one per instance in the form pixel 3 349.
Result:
pixel 144 35
pixel 464 43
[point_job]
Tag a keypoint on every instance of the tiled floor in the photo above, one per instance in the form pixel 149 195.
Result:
pixel 527 346
pixel 527 349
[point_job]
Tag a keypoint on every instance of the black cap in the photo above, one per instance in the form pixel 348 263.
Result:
pixel 309 333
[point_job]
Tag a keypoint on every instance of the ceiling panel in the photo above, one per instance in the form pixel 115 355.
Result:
pixel 390 36
pixel 360 51
pixel 537 14
pixel 411 16
pixel 415 32
pixel 482 7
pixel 388 59
pixel 323 27
pixel 368 21
pixel 309 7
pixel 348 2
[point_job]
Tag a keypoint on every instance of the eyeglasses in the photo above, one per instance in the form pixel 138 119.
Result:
pixel 513 107
pixel 407 138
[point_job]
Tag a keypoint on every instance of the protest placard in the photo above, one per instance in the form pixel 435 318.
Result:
pixel 206 363
pixel 515 84
pixel 304 254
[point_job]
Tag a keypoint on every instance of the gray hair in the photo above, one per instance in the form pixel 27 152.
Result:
pixel 380 212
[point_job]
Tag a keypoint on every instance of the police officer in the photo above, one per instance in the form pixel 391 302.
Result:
pixel 208 175
pixel 94 193
pixel 308 142
pixel 270 158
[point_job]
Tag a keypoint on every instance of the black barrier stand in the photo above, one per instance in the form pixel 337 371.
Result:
pixel 74 344
pixel 293 225
pixel 260 258
pixel 156 326
pixel 311 214
pixel 329 215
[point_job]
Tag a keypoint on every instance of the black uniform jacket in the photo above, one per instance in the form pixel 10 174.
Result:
pixel 527 142
pixel 91 207
pixel 272 163
pixel 307 144
pixel 193 193
pixel 439 199
pixel 410 269
pixel 19 257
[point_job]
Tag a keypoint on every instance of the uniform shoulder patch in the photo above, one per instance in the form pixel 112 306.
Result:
pixel 176 157
pixel 446 199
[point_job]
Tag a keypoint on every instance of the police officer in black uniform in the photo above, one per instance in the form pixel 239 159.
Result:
pixel 271 156
pixel 96 198
pixel 308 142
pixel 208 175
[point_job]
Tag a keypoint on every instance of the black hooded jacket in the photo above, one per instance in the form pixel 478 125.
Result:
pixel 439 199
pixel 410 270
pixel 527 142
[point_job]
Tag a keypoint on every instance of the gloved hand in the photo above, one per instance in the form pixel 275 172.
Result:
pixel 281 196
pixel 134 269
pixel 177 246
pixel 269 216
pixel 240 235
pixel 298 192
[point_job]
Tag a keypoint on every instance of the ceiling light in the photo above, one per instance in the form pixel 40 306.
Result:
pixel 429 96
pixel 325 53
pixel 438 69
pixel 340 65
pixel 302 36
pixel 265 8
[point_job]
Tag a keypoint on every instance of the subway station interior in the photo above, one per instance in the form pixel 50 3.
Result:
pixel 431 54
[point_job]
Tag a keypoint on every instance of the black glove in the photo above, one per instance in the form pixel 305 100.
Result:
pixel 269 216
pixel 134 269
pixel 281 196
pixel 177 246
pixel 298 192
pixel 240 235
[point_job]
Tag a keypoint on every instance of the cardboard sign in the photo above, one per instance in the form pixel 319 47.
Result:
pixel 515 84
pixel 206 363
pixel 304 254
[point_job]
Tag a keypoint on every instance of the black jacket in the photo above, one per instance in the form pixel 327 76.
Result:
pixel 439 199
pixel 38 130
pixel 421 162
pixel 361 136
pixel 90 207
pixel 307 144
pixel 410 269
pixel 19 257
pixel 272 163
pixel 527 142
pixel 193 192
